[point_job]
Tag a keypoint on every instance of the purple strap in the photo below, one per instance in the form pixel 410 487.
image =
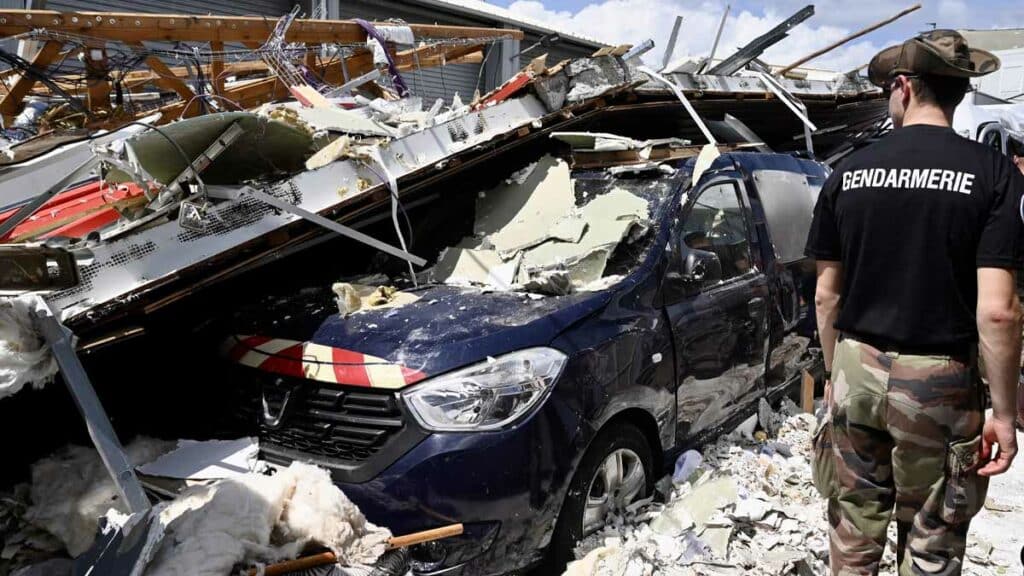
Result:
pixel 396 77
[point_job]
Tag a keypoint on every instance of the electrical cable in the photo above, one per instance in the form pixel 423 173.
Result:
pixel 184 156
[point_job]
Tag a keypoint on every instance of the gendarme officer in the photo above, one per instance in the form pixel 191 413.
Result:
pixel 917 239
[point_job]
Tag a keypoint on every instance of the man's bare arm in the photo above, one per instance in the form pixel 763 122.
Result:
pixel 999 332
pixel 826 303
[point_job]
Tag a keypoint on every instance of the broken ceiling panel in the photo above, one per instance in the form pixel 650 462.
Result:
pixel 467 267
pixel 514 216
pixel 609 219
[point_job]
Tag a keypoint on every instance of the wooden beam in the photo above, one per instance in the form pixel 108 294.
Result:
pixel 97 86
pixel 11 103
pixel 853 36
pixel 136 27
pixel 165 78
pixel 216 72
pixel 253 93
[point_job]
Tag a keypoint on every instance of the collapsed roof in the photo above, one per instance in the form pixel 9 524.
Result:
pixel 154 213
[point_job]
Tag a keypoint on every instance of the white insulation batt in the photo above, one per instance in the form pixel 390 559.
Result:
pixel 71 490
pixel 210 528
pixel 261 519
pixel 25 357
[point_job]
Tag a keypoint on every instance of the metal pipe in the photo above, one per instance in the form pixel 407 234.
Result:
pixel 718 35
pixel 671 42
pixel 61 341
pixel 332 225
pixel 682 98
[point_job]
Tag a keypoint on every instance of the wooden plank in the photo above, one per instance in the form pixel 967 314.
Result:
pixel 256 92
pixel 165 78
pixel 97 85
pixel 807 393
pixel 11 103
pixel 137 27
pixel 216 70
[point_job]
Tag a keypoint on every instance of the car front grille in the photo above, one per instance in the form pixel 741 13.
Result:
pixel 330 421
pixel 355 430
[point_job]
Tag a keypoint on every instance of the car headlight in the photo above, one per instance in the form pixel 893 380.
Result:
pixel 488 395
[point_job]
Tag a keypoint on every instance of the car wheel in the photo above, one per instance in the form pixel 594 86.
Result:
pixel 617 470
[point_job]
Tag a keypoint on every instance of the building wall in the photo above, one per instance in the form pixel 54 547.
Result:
pixel 225 7
pixel 1008 82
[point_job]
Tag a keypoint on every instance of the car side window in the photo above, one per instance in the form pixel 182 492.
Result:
pixel 716 224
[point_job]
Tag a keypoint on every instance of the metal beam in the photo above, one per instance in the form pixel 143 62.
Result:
pixel 33 205
pixel 718 35
pixel 61 341
pixel 331 225
pixel 795 105
pixel 758 45
pixel 682 98
pixel 671 42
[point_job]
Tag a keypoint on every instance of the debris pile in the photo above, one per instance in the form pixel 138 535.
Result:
pixel 747 506
pixel 210 529
pixel 222 518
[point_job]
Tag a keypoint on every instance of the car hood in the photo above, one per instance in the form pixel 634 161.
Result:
pixel 446 328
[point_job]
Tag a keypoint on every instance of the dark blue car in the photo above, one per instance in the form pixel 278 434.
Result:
pixel 529 419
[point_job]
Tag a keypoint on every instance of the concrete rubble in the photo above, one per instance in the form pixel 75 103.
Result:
pixel 748 508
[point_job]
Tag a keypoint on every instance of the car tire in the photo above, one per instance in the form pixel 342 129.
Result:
pixel 617 438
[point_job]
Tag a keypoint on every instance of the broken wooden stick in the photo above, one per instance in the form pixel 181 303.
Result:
pixel 425 536
pixel 807 393
pixel 839 43
pixel 323 558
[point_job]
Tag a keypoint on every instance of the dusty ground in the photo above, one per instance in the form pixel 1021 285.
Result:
pixel 771 521
pixel 1001 523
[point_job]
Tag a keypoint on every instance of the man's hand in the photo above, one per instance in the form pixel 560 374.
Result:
pixel 1002 432
pixel 1020 406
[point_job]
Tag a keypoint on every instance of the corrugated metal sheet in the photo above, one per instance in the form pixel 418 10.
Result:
pixel 432 83
pixel 272 8
pixel 505 16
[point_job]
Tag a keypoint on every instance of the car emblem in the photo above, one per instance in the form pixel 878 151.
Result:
pixel 269 418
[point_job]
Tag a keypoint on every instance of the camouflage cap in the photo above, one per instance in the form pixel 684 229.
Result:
pixel 937 53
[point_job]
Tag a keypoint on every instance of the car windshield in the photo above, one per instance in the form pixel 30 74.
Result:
pixel 552 231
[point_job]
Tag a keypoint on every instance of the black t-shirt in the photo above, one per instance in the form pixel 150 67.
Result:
pixel 911 219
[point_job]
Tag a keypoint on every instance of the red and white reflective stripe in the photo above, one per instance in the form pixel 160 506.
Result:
pixel 320 363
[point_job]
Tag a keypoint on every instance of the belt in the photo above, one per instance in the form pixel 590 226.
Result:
pixel 883 345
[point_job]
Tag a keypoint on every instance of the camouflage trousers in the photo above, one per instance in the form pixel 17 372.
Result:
pixel 906 437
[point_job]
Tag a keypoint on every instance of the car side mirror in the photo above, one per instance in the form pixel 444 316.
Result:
pixel 702 268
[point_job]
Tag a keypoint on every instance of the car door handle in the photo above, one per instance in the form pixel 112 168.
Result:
pixel 755 307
